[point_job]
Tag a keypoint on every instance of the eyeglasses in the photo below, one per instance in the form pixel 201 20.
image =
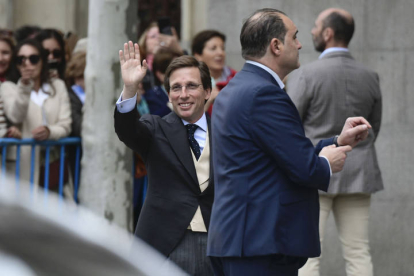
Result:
pixel 56 53
pixel 189 87
pixel 34 59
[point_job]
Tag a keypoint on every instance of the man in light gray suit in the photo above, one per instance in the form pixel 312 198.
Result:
pixel 326 92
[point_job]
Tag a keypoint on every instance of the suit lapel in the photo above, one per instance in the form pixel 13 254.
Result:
pixel 176 134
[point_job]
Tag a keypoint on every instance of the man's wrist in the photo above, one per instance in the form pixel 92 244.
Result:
pixel 128 93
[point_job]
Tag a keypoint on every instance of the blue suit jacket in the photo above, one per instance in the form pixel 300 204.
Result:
pixel 157 101
pixel 267 172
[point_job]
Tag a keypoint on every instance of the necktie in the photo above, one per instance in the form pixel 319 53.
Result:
pixel 191 128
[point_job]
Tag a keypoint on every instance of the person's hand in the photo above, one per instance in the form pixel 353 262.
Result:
pixel 53 74
pixel 170 41
pixel 131 69
pixel 336 156
pixel 26 76
pixel 41 133
pixel 13 132
pixel 355 130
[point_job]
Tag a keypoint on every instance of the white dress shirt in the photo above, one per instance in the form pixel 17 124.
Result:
pixel 270 71
pixel 40 96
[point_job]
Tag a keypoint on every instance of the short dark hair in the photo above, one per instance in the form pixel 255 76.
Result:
pixel 188 61
pixel 257 33
pixel 44 72
pixel 162 59
pixel 58 36
pixel 343 27
pixel 200 40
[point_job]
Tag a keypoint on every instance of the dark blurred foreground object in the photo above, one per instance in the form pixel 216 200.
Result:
pixel 52 238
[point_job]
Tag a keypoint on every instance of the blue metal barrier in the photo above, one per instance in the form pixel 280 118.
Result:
pixel 6 142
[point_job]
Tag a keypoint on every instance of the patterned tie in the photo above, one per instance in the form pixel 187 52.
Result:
pixel 191 128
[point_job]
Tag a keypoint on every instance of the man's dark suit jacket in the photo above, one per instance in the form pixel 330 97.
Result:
pixel 76 111
pixel 173 193
pixel 267 172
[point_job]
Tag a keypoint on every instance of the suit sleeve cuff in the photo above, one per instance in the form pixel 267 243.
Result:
pixel 330 169
pixel 125 106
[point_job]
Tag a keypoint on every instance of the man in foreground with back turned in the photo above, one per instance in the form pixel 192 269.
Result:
pixel 267 173
pixel 176 151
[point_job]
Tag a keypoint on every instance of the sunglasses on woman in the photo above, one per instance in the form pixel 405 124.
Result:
pixel 34 59
pixel 56 53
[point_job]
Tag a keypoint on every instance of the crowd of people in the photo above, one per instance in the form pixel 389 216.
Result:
pixel 39 73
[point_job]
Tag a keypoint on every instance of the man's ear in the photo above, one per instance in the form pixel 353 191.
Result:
pixel 276 46
pixel 327 34
pixel 208 94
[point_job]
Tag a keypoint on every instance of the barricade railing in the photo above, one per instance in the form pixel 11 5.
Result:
pixel 47 144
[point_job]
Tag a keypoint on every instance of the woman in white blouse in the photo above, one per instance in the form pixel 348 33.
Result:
pixel 39 106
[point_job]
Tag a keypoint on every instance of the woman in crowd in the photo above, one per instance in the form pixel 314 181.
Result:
pixel 54 45
pixel 209 47
pixel 37 104
pixel 6 53
pixel 149 43
pixel 76 87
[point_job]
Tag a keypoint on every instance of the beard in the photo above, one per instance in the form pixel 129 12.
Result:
pixel 318 43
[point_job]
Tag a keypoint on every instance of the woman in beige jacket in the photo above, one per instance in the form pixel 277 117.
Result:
pixel 40 107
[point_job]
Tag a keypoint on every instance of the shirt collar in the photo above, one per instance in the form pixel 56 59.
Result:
pixel 333 49
pixel 201 123
pixel 271 72
pixel 78 90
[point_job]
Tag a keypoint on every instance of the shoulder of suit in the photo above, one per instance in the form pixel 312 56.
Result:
pixel 155 118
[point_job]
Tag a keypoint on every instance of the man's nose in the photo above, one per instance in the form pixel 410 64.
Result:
pixel 184 92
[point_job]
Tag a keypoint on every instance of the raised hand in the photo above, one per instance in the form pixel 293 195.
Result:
pixel 132 70
pixel 26 76
pixel 170 41
pixel 355 130
pixel 336 156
